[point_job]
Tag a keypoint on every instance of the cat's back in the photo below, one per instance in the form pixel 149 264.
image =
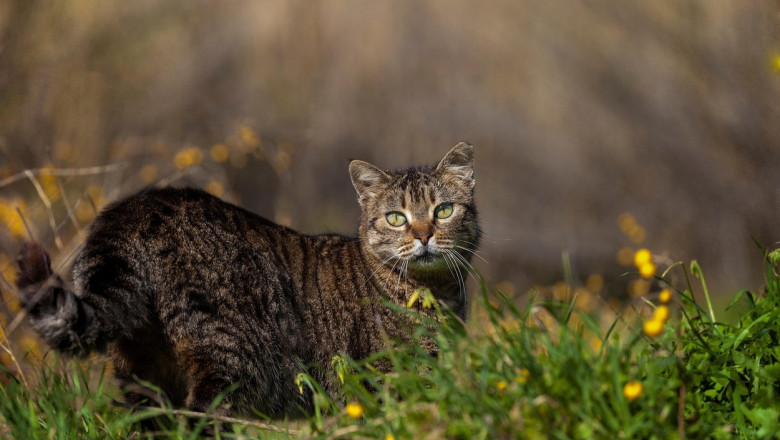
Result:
pixel 169 231
pixel 156 211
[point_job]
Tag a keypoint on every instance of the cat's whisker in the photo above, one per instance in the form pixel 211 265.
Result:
pixel 471 248
pixel 472 252
pixel 492 239
pixel 469 268
pixel 458 276
pixel 401 273
pixel 452 266
pixel 406 278
pixel 392 271
pixel 381 265
pixel 455 256
pixel 464 241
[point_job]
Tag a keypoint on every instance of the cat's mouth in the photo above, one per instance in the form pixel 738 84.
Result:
pixel 426 257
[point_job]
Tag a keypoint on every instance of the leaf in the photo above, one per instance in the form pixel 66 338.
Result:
pixel 770 373
pixel 766 419
pixel 747 294
pixel 746 331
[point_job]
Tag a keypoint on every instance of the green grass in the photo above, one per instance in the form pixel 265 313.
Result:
pixel 506 378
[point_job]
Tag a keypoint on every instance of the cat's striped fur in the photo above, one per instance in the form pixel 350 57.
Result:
pixel 195 295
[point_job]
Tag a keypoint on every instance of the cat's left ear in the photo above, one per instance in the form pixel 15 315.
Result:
pixel 459 161
pixel 366 176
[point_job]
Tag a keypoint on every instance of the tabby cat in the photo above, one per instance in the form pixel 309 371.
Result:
pixel 196 296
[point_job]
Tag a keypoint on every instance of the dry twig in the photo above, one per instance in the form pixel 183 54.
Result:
pixel 89 171
pixel 220 418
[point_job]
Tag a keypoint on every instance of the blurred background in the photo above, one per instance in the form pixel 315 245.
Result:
pixel 601 127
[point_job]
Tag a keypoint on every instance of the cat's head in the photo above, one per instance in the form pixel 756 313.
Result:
pixel 420 216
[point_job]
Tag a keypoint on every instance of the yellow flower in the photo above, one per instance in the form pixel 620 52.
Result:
pixel 595 283
pixel 249 137
pixel 637 288
pixel 340 365
pixel 653 328
pixel 183 160
pixel 10 217
pixel 7 269
pixel 220 153
pixel 13 305
pixel 188 157
pixel 642 257
pixel 522 377
pixel 626 222
pixel 501 385
pixel 48 182
pixel 776 63
pixel 215 188
pixel 661 313
pixel 624 256
pixel 647 270
pixel 197 154
pixel 389 437
pixel 637 234
pixel 148 173
pixel 665 296
pixel 85 212
pixel 95 193
pixel 354 410
pixel 632 390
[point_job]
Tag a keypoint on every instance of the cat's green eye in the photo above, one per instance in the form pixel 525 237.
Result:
pixel 443 211
pixel 396 219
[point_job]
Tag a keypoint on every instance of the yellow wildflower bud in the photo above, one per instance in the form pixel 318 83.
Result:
pixel 665 296
pixel 501 385
pixel 642 257
pixel 647 270
pixel 595 343
pixel 632 390
pixel 354 410
pixel 653 328
pixel 413 298
pixel 389 437
pixel 661 313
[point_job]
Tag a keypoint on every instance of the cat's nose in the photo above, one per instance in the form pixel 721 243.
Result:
pixel 422 233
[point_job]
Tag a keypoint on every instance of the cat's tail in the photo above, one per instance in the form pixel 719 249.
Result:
pixel 65 321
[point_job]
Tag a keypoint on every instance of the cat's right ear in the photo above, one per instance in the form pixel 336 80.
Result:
pixel 366 176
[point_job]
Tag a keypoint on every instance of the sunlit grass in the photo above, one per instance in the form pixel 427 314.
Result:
pixel 526 373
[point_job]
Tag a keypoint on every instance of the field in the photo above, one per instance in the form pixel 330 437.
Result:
pixel 565 364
